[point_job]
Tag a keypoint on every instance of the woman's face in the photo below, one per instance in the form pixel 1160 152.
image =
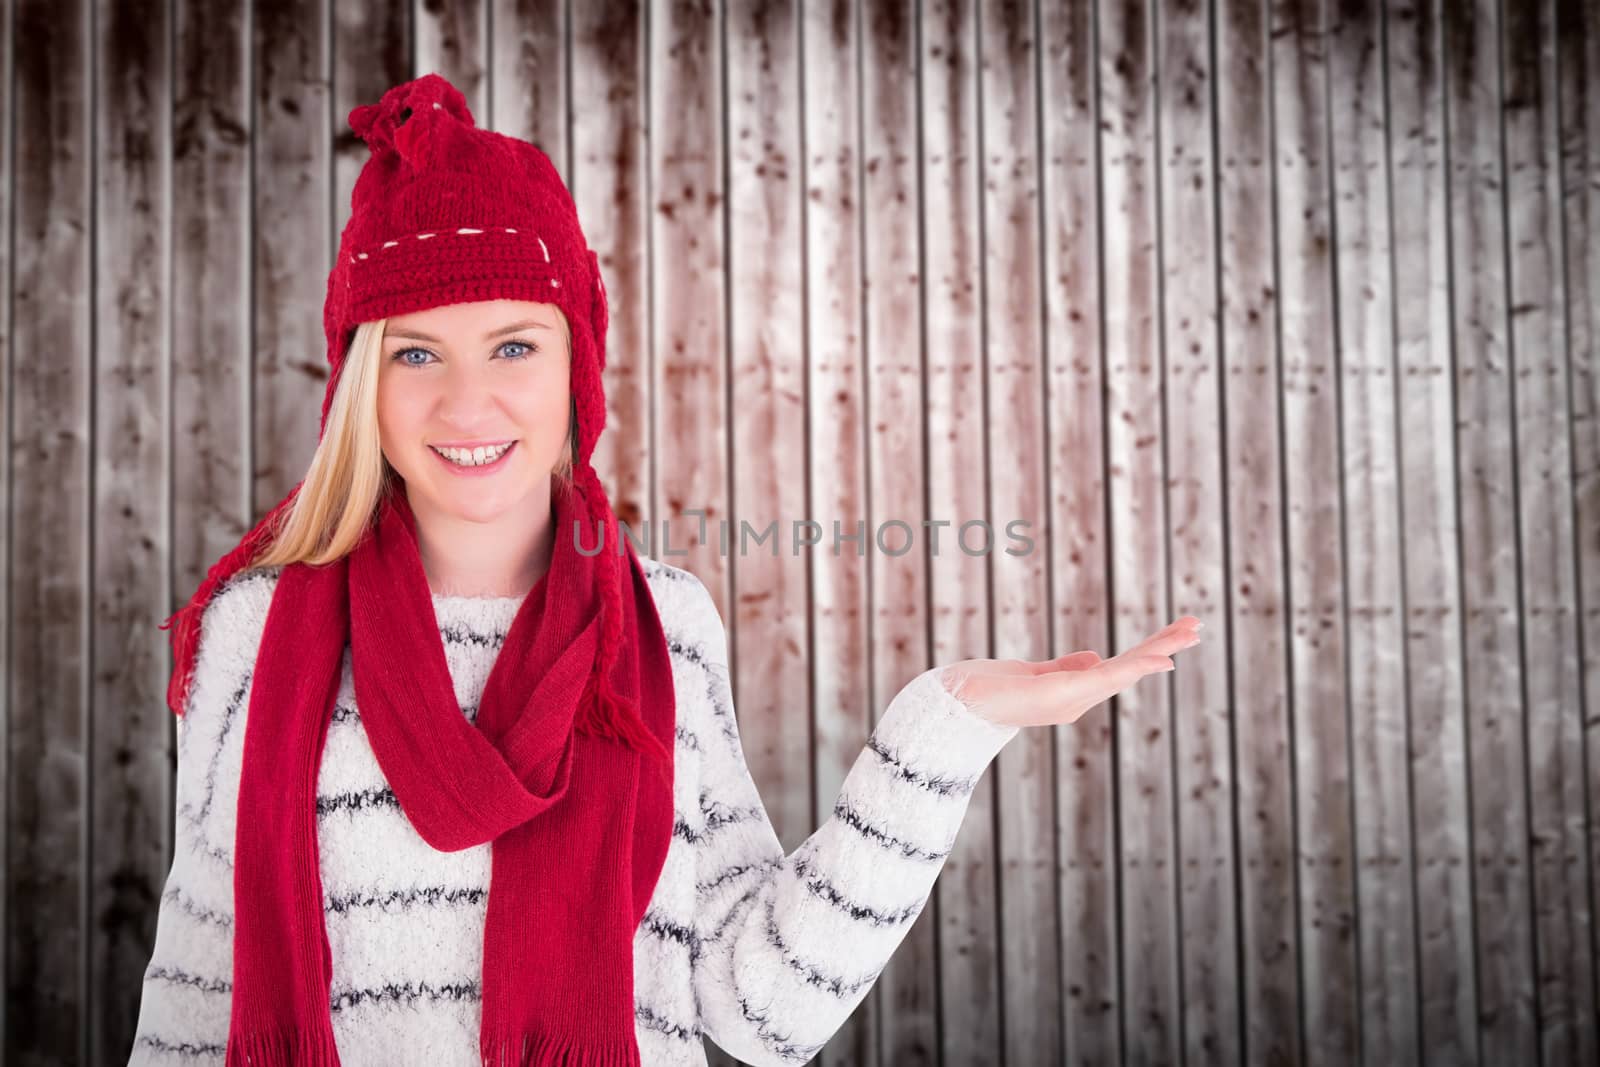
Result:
pixel 459 383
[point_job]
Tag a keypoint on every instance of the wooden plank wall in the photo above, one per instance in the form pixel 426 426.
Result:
pixel 1281 313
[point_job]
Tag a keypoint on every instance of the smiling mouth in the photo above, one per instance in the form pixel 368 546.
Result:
pixel 470 458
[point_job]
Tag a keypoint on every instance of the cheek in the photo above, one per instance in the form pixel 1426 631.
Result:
pixel 400 410
pixel 541 407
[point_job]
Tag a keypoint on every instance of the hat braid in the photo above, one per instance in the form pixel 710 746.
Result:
pixel 603 712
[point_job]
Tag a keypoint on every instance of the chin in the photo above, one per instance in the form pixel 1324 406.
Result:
pixel 484 500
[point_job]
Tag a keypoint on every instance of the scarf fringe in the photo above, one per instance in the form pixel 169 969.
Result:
pixel 545 1050
pixel 284 1048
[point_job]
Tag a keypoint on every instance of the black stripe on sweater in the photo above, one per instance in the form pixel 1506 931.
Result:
pixel 431 896
pixel 407 992
pixel 950 787
pixel 178 976
pixel 654 568
pixel 842 988
pixel 648 1019
pixel 666 929
pixel 343 713
pixel 198 842
pixel 736 871
pixel 781 1044
pixel 235 702
pixel 714 816
pixel 845 813
pixel 181 1048
pixel 358 800
pixel 829 894
pixel 466 635
pixel 185 904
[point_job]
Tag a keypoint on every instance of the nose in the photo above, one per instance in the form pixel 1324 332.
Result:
pixel 467 399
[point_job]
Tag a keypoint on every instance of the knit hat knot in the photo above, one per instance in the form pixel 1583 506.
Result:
pixel 411 119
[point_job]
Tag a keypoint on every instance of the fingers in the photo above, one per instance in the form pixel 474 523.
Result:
pixel 1152 654
pixel 1174 637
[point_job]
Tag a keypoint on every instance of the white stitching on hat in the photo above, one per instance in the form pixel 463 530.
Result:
pixel 466 230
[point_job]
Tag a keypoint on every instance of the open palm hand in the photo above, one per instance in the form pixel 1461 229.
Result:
pixel 1018 692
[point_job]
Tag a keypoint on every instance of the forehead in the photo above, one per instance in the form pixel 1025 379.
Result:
pixel 475 318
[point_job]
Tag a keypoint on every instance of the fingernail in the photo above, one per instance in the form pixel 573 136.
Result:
pixel 1199 626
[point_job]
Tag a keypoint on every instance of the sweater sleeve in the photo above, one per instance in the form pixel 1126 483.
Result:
pixel 786 946
pixel 187 994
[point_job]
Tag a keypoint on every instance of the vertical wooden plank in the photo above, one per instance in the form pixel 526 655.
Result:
pixel 609 186
pixel 890 209
pixel 1086 868
pixel 128 763
pixel 970 978
pixel 529 66
pixel 49 513
pixel 1431 572
pixel 1578 69
pixel 452 39
pixel 1209 953
pixel 767 448
pixel 292 177
pixel 1016 539
pixel 835 243
pixel 1507 1009
pixel 688 296
pixel 7 184
pixel 689 361
pixel 1547 609
pixel 371 54
pixel 1386 927
pixel 1269 977
pixel 212 216
pixel 1318 689
pixel 1136 526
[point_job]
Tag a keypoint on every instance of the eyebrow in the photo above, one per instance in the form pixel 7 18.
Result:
pixel 529 324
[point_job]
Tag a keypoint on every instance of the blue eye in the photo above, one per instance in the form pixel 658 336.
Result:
pixel 520 350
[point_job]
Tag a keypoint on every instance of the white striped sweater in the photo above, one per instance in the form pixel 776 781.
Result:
pixel 765 954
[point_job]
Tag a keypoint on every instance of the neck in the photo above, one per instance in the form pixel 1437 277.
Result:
pixel 506 557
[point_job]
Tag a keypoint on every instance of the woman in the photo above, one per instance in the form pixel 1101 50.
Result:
pixel 454 786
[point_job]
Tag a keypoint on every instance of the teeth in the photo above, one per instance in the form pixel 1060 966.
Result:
pixel 472 457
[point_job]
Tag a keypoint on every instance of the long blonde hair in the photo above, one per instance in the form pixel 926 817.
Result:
pixel 348 474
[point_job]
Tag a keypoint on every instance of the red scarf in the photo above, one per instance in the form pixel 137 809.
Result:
pixel 579 824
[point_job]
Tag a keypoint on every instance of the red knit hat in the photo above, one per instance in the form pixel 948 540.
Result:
pixel 444 212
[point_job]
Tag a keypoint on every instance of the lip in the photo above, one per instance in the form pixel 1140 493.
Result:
pixel 471 444
pixel 475 472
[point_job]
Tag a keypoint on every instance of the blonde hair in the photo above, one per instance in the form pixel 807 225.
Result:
pixel 349 474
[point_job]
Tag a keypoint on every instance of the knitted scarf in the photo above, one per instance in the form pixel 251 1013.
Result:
pixel 579 825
